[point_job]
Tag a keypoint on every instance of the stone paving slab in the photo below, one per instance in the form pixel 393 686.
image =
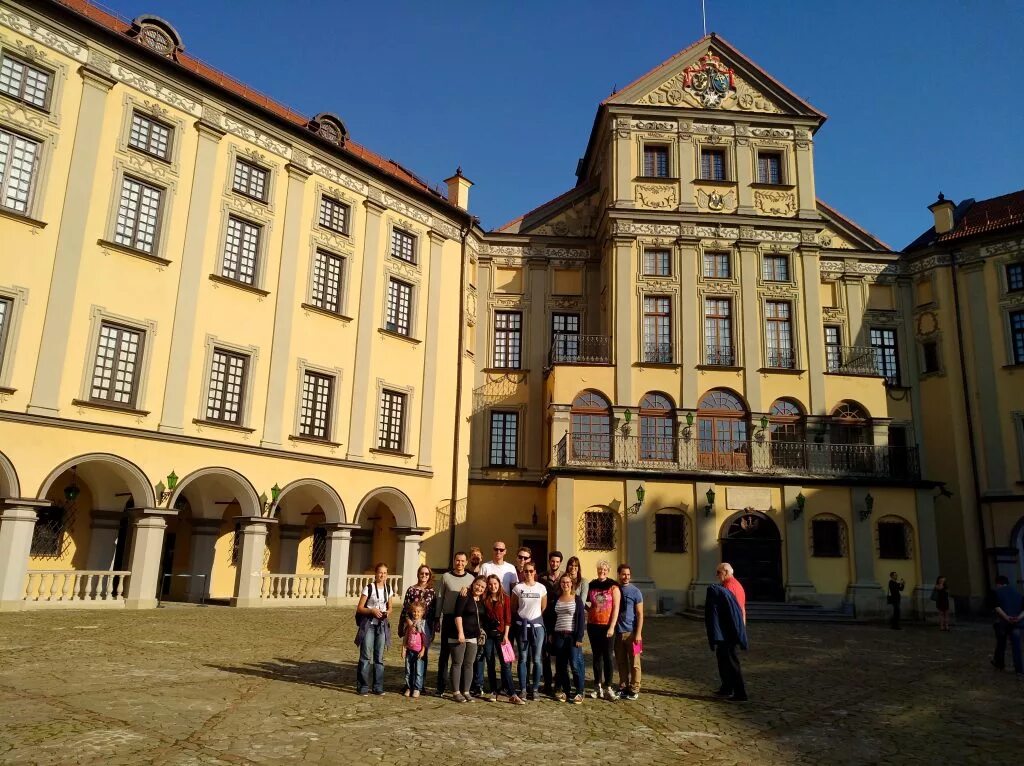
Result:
pixel 184 686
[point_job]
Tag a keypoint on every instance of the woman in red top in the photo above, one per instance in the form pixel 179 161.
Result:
pixel 496 619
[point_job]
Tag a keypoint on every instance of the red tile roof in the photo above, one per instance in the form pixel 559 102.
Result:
pixel 197 67
pixel 989 215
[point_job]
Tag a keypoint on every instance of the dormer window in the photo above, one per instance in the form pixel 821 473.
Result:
pixel 157 35
pixel 329 127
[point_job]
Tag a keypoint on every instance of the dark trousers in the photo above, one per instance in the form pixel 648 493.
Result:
pixel 567 656
pixel 447 631
pixel 729 669
pixel 894 621
pixel 1005 631
pixel 601 647
pixel 547 656
pixel 492 652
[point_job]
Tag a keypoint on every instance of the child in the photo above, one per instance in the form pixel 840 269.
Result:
pixel 414 648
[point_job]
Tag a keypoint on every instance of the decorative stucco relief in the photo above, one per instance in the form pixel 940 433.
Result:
pixel 123 74
pixel 657 197
pixel 42 35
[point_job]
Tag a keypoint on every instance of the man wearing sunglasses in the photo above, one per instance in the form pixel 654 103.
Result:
pixel 500 568
pixel 523 557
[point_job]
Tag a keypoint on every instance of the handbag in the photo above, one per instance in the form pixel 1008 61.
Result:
pixel 414 642
pixel 507 652
pixel 481 637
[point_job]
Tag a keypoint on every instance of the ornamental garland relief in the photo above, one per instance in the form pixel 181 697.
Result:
pixel 927 323
pixel 657 197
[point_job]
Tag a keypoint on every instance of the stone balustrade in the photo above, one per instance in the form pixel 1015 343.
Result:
pixel 76 587
pixel 354 584
pixel 309 588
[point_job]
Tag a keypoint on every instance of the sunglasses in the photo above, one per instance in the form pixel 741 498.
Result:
pixel 499 550
pixel 529 571
pixel 524 558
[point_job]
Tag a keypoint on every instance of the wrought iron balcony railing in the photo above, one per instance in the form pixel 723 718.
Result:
pixel 780 358
pixel 571 348
pixel 852 360
pixel 658 353
pixel 632 452
pixel 720 356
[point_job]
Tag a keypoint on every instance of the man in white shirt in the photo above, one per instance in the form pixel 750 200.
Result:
pixel 529 600
pixel 502 569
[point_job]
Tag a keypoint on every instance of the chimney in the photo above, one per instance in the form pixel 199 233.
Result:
pixel 942 209
pixel 458 189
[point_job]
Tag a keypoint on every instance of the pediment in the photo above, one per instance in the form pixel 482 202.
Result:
pixel 712 75
pixel 841 233
pixel 573 214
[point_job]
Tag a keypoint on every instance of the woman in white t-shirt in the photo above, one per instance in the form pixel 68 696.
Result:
pixel 374 633
pixel 529 600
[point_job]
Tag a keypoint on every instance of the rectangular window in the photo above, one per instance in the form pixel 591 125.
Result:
pixel 318 548
pixel 250 180
pixel 241 251
pixel 333 215
pixel 1017 336
pixel 19 157
pixel 598 531
pixel 669 533
pixel 403 246
pixel 769 168
pixel 138 215
pixel 718 332
pixel 930 354
pixel 565 337
pixel 508 339
pixel 1014 277
pixel 6 309
pixel 315 414
pixel 658 263
pixel 504 435
pixel 656 161
pixel 392 420
pixel 116 370
pixel 150 136
pixel 833 348
pixel 327 275
pixel 658 330
pixel 779 335
pixel 399 310
pixel 716 266
pixel 775 268
pixel 25 82
pixel 892 540
pixel 883 341
pixel 227 386
pixel 712 164
pixel 826 538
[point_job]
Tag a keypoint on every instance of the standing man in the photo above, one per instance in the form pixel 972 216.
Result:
pixel 448 590
pixel 1009 615
pixel 726 631
pixel 503 570
pixel 476 560
pixel 550 581
pixel 629 630
pixel 727 577
pixel 529 600
pixel 895 589
pixel 523 557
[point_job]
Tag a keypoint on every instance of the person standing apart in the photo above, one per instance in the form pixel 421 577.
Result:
pixel 373 635
pixel 726 632
pixel 894 598
pixel 497 621
pixel 550 581
pixel 602 614
pixel 506 572
pixel 452 584
pixel 529 600
pixel 568 629
pixel 422 592
pixel 414 649
pixel 1009 614
pixel 467 639
pixel 629 630
pixel 726 576
pixel 940 595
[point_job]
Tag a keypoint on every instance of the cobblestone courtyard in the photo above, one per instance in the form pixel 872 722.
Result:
pixel 190 685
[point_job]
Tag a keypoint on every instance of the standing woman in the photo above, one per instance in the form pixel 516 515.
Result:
pixel 574 569
pixel 497 619
pixel 466 643
pixel 940 595
pixel 373 635
pixel 602 614
pixel 567 642
pixel 422 592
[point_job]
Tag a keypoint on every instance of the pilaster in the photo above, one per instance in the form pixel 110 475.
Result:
pixel 339 543
pixel 249 572
pixel 565 530
pixel 538 339
pixel 854 287
pixel 798 586
pixel 865 592
pixel 744 154
pixel 813 338
pixel 205 533
pixel 686 162
pixel 750 313
pixel 624 327
pixel 805 175
pixel 425 453
pixel 622 150
pixel 148 526
pixel 689 310
pixel 928 551
pixel 706 544
pixel 409 541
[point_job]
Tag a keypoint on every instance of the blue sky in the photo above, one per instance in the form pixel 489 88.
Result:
pixel 922 95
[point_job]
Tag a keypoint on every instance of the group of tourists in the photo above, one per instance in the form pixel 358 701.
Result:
pixel 498 614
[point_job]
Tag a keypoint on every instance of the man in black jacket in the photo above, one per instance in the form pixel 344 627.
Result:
pixel 895 588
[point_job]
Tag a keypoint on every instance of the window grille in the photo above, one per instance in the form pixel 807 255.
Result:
pixel 327 273
pixel 24 82
pixel 115 372
pixel 227 386
pixel 334 215
pixel 598 531
pixel 403 245
pixel 138 215
pixel 250 180
pixel 150 136
pixel 241 251
pixel 19 158
pixel 315 415
pixel 392 421
pixel 399 307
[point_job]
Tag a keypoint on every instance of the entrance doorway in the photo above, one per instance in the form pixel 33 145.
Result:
pixel 538 551
pixel 753 546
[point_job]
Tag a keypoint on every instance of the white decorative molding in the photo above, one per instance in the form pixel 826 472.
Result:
pixel 43 35
pixel 771 132
pixel 123 74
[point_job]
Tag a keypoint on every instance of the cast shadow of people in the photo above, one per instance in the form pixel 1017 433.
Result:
pixel 336 676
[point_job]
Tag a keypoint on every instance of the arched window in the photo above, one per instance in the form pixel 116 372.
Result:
pixel 591 427
pixel 828 536
pixel 657 428
pixel 723 431
pixel 850 434
pixel 895 538
pixel 788 428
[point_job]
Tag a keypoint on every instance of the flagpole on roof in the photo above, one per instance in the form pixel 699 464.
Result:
pixel 704 15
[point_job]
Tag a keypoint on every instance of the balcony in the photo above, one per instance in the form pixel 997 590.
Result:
pixel 759 458
pixel 720 356
pixel 852 360
pixel 780 359
pixel 571 348
pixel 658 353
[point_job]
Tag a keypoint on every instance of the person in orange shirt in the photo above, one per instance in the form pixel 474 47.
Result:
pixel 724 573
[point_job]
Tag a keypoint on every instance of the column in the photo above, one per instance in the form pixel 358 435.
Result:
pixel 409 540
pixel 705 542
pixel 538 340
pixel 339 542
pixel 367 325
pixel 190 275
pixel 686 167
pixel 623 323
pixel 431 354
pixel 80 186
pixel 867 595
pixel 798 586
pixel 104 528
pixel 288 550
pixel 204 543
pixel 805 175
pixel 565 529
pixel 17 523
pixel 148 526
pixel 744 171
pixel 928 552
pixel 692 321
pixel 750 308
pixel 249 572
pixel 292 250
pixel 854 287
pixel 813 332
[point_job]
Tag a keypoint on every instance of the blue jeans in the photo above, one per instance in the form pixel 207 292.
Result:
pixel 371 651
pixel 1006 631
pixel 415 670
pixel 529 655
pixel 567 655
pixel 492 649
